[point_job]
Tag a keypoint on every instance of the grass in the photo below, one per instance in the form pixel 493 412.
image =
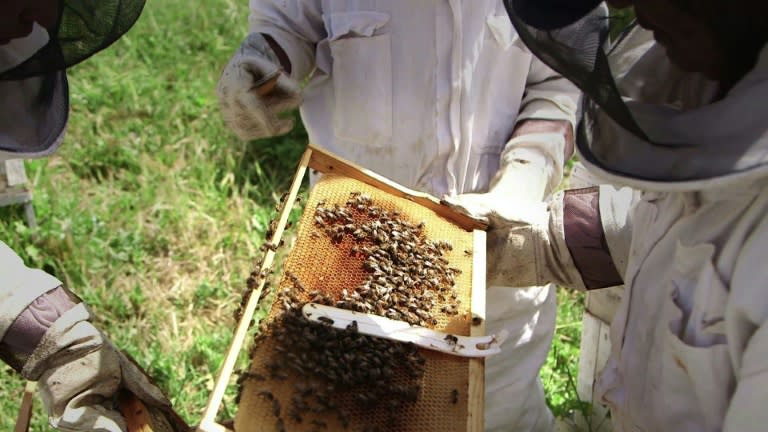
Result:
pixel 154 213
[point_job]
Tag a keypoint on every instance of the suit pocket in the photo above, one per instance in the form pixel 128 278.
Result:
pixel 697 377
pixel 361 52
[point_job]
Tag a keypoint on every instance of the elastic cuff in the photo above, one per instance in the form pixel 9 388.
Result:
pixel 54 341
pixel 585 239
pixel 21 285
pixel 28 328
pixel 562 128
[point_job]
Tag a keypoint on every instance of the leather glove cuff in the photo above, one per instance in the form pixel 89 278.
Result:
pixel 29 327
pixel 530 250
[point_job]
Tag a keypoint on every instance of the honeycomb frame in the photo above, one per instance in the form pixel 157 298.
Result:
pixel 326 163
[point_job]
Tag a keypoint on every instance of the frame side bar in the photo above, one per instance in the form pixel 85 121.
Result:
pixel 208 423
pixel 476 392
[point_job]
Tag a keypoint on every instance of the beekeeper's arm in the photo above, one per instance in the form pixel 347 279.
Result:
pixel 578 239
pixel 260 82
pixel 747 327
pixel 531 164
pixel 46 335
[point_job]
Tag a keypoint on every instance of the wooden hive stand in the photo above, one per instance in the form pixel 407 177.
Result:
pixel 14 190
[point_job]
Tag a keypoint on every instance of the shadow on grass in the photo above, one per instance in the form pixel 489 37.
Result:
pixel 269 164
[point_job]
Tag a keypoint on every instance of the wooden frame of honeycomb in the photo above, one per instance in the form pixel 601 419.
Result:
pixel 326 163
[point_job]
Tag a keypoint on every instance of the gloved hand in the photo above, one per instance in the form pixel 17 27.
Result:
pixel 527 173
pixel 525 240
pixel 79 373
pixel 253 91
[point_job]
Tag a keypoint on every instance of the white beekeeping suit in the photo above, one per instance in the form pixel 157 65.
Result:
pixel 428 94
pixel 695 260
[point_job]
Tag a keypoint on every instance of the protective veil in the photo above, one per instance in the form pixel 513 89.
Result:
pixel 629 128
pixel 35 110
pixel 84 28
pixel 33 80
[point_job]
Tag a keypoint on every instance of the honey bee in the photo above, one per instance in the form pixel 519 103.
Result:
pixel 343 419
pixel 325 320
pixel 295 415
pixel 352 327
pixel 280 425
pixel 451 339
pixel 268 246
pixel 320 424
pixel 298 401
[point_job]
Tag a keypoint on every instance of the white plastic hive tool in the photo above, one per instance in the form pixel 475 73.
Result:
pixel 382 327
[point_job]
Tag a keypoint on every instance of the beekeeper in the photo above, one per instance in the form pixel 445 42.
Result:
pixel 677 112
pixel 440 96
pixel 45 330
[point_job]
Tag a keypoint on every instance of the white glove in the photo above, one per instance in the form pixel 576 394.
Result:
pixel 525 240
pixel 80 372
pixel 253 92
pixel 527 173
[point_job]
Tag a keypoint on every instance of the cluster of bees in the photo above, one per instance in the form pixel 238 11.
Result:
pixel 407 276
pixel 338 368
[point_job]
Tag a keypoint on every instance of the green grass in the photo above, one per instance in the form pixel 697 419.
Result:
pixel 154 213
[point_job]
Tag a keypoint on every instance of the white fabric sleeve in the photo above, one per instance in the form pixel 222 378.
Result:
pixel 296 25
pixel 548 96
pixel 19 286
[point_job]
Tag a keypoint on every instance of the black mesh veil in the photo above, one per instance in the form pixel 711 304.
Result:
pixel 572 41
pixel 84 28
